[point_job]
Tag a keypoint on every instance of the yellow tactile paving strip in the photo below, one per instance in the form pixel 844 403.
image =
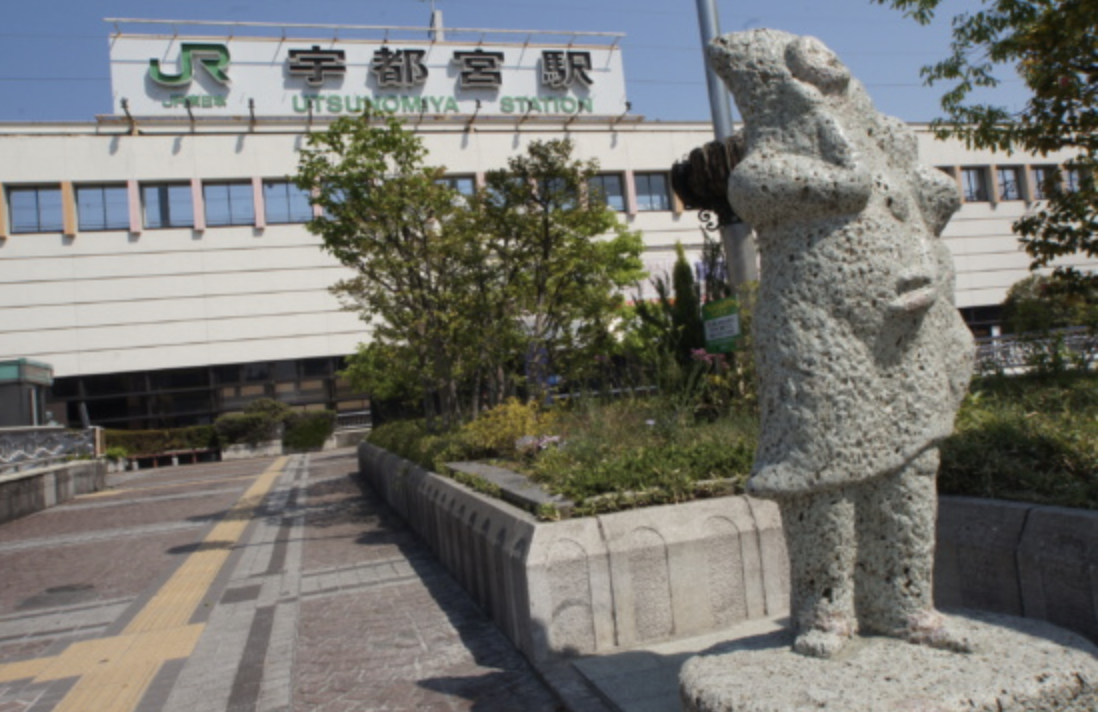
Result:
pixel 115 672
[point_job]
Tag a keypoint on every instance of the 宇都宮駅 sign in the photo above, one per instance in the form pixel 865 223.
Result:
pixel 164 76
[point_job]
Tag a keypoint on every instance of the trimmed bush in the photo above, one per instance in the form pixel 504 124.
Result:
pixel 151 442
pixel 309 431
pixel 250 428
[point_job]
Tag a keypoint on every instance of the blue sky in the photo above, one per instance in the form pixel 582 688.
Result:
pixel 54 53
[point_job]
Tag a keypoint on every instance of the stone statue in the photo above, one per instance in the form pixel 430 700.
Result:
pixel 863 359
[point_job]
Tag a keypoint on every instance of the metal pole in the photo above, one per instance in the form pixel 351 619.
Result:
pixel 719 107
pixel 739 245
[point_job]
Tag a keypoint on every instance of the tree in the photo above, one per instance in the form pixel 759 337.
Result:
pixel 460 291
pixel 1053 46
pixel 562 259
pixel 386 216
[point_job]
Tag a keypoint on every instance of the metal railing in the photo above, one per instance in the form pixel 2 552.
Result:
pixel 30 448
pixel 354 419
pixel 1015 353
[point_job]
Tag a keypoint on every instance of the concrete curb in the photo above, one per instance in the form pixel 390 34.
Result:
pixel 29 492
pixel 591 585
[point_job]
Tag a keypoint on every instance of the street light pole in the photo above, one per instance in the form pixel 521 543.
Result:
pixel 739 247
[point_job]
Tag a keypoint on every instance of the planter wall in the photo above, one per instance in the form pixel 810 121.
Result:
pixel 598 583
pixel 620 580
pixel 29 492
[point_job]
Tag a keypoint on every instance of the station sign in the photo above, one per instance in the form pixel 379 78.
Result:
pixel 260 76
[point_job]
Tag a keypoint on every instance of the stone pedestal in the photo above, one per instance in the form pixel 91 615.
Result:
pixel 1018 665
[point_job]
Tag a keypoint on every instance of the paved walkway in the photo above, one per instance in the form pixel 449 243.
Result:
pixel 263 585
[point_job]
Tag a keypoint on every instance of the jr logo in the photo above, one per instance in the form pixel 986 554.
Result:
pixel 214 58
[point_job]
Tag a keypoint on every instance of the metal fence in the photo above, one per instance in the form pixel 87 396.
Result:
pixel 24 449
pixel 1077 347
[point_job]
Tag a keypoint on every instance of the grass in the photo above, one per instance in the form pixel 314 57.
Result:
pixel 1032 439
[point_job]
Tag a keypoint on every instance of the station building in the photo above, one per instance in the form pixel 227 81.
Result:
pixel 157 257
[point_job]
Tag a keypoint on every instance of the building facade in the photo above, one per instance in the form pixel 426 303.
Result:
pixel 161 265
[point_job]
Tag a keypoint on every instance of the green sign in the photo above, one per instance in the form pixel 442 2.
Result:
pixel 214 58
pixel 722 325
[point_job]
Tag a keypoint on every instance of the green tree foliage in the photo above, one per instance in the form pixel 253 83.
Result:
pixel 387 217
pixel 559 259
pixel 460 291
pixel 1053 46
pixel 1039 303
pixel 673 321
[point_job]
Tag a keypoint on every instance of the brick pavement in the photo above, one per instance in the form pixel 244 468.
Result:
pixel 265 585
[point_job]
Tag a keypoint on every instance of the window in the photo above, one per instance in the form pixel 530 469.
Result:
pixel 1010 184
pixel 168 205
pixel 229 204
pixel 652 191
pixel 35 209
pixel 284 202
pixel 1044 181
pixel 466 185
pixel 103 207
pixel 607 188
pixel 974 184
pixel 1072 180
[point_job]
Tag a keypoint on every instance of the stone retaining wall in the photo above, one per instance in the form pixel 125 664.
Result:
pixel 597 583
pixel 629 578
pixel 28 492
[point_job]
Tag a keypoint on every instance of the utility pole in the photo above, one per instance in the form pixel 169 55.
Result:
pixel 739 246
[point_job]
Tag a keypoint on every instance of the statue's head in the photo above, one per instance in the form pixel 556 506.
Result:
pixel 764 66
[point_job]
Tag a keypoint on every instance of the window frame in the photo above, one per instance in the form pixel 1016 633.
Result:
pixel 1016 181
pixel 594 191
pixel 645 206
pixel 109 222
pixel 40 226
pixel 245 194
pixel 453 182
pixel 287 198
pixel 165 205
pixel 980 193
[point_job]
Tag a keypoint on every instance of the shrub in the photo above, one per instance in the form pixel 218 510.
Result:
pixel 250 428
pixel 149 442
pixel 115 454
pixel 308 431
pixel 497 430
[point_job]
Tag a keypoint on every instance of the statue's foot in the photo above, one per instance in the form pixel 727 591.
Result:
pixel 929 628
pixel 825 638
pixel 819 643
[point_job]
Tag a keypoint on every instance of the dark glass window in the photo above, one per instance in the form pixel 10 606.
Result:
pixel 974 184
pixel 1010 184
pixel 607 188
pixel 284 202
pixel 314 367
pixel 35 209
pixel 226 374
pixel 285 370
pixel 168 205
pixel 115 384
pixel 254 372
pixel 179 378
pixel 652 191
pixel 466 185
pixel 229 204
pixel 1044 181
pixel 103 207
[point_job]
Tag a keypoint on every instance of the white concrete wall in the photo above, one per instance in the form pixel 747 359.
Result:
pixel 116 301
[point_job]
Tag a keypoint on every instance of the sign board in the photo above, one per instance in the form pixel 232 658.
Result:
pixel 722 325
pixel 270 76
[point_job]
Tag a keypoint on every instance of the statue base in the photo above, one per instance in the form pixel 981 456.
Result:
pixel 1016 664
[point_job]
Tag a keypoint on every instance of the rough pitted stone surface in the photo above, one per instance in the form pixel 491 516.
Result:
pixel 863 359
pixel 1017 666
